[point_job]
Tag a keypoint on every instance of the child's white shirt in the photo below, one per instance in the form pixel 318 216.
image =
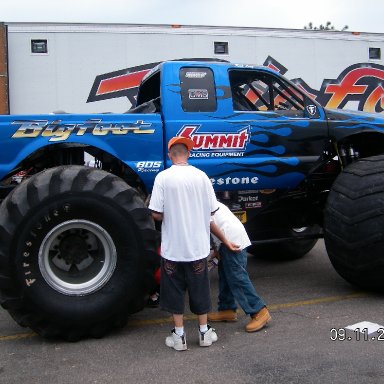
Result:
pixel 231 226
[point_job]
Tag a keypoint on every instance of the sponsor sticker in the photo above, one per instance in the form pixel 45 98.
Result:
pixel 246 180
pixel 148 166
pixel 199 94
pixel 312 109
pixel 247 198
pixel 256 204
pixel 222 141
pixel 196 75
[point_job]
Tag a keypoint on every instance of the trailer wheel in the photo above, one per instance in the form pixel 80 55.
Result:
pixel 354 223
pixel 77 252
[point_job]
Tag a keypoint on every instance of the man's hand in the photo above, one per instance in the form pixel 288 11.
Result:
pixel 232 246
pixel 220 235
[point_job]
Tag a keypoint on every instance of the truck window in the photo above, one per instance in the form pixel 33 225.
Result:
pixel 261 91
pixel 198 92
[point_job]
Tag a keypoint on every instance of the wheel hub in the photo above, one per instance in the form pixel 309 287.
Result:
pixel 73 249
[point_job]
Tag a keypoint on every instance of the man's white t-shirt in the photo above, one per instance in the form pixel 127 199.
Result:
pixel 231 226
pixel 185 196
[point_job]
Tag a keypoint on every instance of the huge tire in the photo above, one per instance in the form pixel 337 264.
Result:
pixel 77 252
pixel 286 250
pixel 354 223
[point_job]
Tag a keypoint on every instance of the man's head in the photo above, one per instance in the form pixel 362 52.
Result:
pixel 178 149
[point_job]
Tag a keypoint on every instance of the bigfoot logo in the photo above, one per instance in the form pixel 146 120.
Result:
pixel 359 83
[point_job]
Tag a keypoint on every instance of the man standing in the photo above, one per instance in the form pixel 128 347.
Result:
pixel 183 198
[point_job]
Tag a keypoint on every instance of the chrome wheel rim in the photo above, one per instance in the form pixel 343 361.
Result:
pixel 77 257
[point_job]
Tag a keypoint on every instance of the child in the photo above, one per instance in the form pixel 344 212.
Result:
pixel 231 240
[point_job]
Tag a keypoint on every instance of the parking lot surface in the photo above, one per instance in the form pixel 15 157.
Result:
pixel 307 341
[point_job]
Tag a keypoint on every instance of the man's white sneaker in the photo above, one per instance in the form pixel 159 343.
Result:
pixel 207 338
pixel 176 342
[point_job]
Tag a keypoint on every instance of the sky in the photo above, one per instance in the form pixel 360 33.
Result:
pixel 358 15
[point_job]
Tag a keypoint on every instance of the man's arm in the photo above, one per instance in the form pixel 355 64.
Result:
pixel 157 215
pixel 156 202
pixel 220 235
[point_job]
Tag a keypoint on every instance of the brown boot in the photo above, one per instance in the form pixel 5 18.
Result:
pixel 226 315
pixel 259 320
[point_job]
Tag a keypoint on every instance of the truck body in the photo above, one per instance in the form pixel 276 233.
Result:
pixel 290 169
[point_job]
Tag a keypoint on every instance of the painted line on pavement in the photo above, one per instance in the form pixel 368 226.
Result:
pixel 320 300
pixel 273 307
pixel 164 320
pixel 18 336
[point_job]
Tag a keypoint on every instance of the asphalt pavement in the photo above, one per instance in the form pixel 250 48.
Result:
pixel 307 341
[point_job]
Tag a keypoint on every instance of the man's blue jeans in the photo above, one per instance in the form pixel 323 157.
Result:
pixel 234 283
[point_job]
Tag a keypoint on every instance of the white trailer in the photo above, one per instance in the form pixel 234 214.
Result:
pixel 92 68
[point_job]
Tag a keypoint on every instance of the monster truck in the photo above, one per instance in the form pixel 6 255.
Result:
pixel 78 247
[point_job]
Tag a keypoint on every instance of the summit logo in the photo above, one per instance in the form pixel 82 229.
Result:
pixel 219 141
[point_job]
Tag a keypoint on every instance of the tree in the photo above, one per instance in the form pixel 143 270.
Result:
pixel 327 27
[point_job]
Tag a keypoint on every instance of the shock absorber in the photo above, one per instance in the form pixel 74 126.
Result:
pixel 353 155
pixel 343 156
pixel 347 154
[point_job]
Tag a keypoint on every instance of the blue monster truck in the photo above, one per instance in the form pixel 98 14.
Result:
pixel 78 247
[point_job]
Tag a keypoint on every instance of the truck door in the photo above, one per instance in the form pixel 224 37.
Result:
pixel 252 128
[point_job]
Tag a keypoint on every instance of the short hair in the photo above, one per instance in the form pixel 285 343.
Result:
pixel 178 149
